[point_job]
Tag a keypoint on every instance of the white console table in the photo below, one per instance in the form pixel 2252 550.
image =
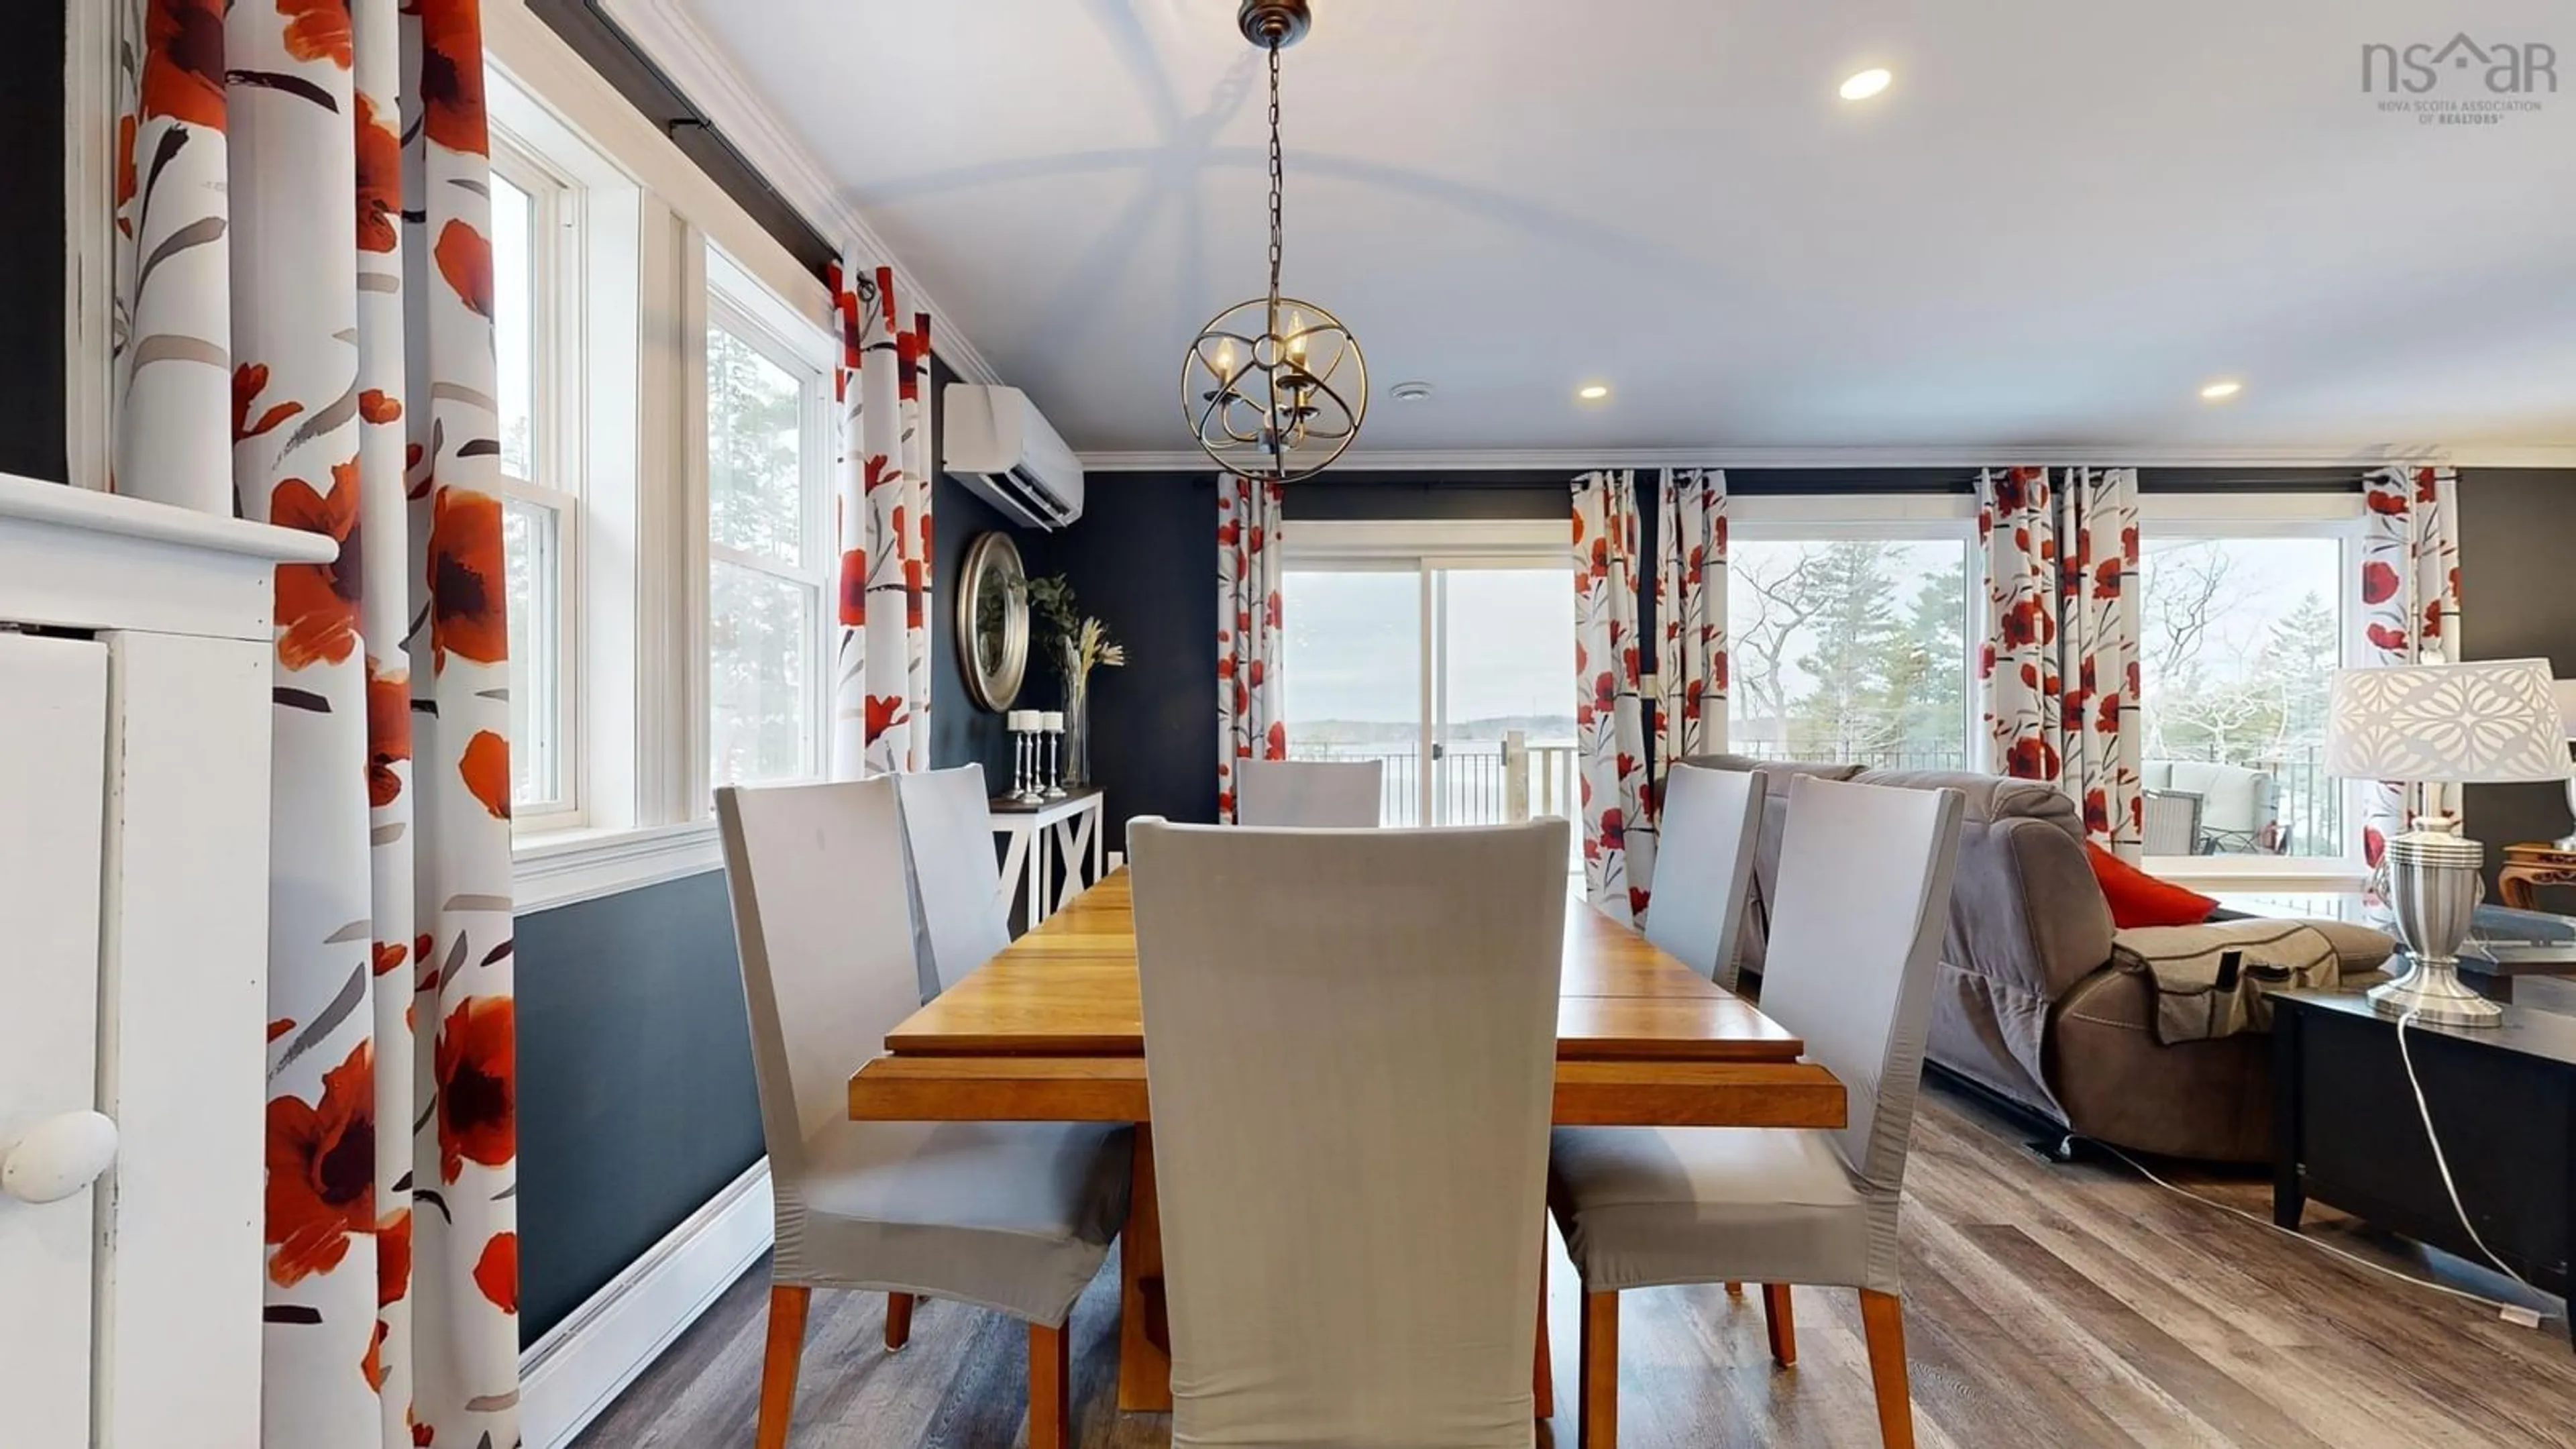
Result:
pixel 1047 847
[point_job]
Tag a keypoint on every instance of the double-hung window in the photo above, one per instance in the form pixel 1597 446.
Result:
pixel 536 287
pixel 769 561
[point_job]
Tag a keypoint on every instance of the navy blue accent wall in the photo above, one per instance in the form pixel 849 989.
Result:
pixel 31 244
pixel 1143 558
pixel 636 1102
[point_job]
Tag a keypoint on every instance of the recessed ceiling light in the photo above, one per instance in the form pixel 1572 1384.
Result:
pixel 1592 391
pixel 2221 390
pixel 1866 84
pixel 1410 391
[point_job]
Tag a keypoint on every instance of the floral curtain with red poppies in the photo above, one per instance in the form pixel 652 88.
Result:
pixel 1609 715
pixel 1250 567
pixel 2060 660
pixel 303 333
pixel 1690 610
pixel 2410 603
pixel 881 524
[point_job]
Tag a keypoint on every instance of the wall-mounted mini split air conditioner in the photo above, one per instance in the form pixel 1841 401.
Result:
pixel 1000 445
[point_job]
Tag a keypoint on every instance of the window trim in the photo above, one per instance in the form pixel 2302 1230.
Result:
pixel 1399 543
pixel 558 296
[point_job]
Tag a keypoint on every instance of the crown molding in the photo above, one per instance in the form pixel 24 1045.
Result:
pixel 2543 455
pixel 665 31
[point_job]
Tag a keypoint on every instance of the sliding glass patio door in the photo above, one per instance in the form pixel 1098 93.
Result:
pixel 1456 671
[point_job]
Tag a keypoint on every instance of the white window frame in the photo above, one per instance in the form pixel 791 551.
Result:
pixel 1428 549
pixel 1895 518
pixel 557 295
pixel 751 314
pixel 647 215
pixel 2253 513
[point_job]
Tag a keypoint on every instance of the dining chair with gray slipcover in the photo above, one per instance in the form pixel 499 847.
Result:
pixel 1012 1216
pixel 1319 794
pixel 960 916
pixel 1704 846
pixel 1350 1043
pixel 1863 899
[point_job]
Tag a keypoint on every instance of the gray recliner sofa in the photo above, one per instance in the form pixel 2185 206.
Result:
pixel 2030 1004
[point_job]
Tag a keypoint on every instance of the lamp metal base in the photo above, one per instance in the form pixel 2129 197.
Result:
pixel 2434 992
pixel 2433 888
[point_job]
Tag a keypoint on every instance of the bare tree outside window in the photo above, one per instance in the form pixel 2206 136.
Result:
pixel 2238 637
pixel 1849 650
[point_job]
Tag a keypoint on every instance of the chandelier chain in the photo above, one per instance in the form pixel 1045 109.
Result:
pixel 1293 403
pixel 1277 175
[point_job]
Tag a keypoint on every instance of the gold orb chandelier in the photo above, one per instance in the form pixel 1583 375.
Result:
pixel 1274 387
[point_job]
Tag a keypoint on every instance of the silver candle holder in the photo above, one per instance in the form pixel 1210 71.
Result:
pixel 1024 756
pixel 1052 723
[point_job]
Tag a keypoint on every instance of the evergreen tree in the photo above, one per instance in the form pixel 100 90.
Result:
pixel 2301 654
pixel 760 627
pixel 1927 678
pixel 1855 639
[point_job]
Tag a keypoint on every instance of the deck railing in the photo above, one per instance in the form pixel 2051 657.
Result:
pixel 1480 782
pixel 2307 802
pixel 1485 782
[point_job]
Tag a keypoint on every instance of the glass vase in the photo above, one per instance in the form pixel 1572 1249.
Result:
pixel 1075 769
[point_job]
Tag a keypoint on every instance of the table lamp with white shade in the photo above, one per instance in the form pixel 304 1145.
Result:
pixel 2429 725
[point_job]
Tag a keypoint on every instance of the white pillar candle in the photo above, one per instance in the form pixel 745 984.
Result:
pixel 1023 720
pixel 1052 721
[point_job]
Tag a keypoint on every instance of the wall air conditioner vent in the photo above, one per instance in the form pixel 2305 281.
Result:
pixel 1001 447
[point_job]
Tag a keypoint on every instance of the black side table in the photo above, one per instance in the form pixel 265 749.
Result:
pixel 2346 1130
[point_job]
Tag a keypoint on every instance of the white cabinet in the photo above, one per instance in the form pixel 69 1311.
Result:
pixel 134 767
pixel 53 772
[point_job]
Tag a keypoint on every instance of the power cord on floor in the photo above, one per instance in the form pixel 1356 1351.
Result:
pixel 2528 1318
pixel 2511 1312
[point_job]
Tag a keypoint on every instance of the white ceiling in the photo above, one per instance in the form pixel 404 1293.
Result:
pixel 2061 220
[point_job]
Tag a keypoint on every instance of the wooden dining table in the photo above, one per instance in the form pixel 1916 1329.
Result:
pixel 1052 1030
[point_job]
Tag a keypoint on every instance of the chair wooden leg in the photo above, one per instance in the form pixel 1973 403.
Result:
pixel 1543 1365
pixel 1050 1388
pixel 1144 1324
pixel 787 1307
pixel 1784 1330
pixel 1882 1319
pixel 898 1320
pixel 1600 1429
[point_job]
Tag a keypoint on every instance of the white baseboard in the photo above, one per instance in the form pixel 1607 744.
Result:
pixel 586 1361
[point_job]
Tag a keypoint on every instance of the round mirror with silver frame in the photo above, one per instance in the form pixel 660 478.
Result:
pixel 993 621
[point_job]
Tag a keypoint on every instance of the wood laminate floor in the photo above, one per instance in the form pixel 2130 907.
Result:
pixel 2048 1306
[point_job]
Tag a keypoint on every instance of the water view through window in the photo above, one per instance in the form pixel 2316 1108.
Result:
pixel 1500 669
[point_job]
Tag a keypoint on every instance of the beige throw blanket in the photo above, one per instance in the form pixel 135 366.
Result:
pixel 2211 980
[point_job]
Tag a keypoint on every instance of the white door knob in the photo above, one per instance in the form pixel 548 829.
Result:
pixel 58 1157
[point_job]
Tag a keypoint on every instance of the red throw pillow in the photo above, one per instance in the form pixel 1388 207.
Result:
pixel 2139 899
